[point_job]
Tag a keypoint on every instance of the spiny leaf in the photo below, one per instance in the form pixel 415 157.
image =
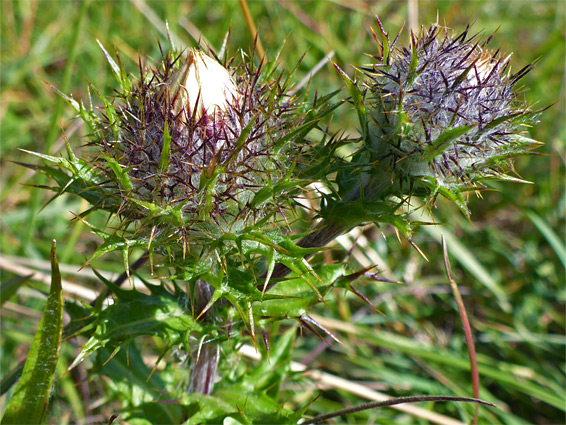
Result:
pixel 240 404
pixel 140 392
pixel 118 70
pixel 292 298
pixel 443 141
pixel 120 173
pixel 158 314
pixel 358 98
pixel 165 151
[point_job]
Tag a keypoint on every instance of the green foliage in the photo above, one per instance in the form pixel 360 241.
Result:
pixel 143 395
pixel 29 401
pixel 136 314
pixel 9 288
pixel 251 397
pixel 508 260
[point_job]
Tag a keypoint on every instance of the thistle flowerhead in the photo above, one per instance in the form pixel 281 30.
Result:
pixel 180 134
pixel 189 153
pixel 444 113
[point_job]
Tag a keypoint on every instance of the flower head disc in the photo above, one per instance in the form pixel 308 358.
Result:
pixel 201 86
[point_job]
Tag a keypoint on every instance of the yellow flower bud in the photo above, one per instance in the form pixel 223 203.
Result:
pixel 201 86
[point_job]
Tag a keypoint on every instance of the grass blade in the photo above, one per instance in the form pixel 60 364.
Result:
pixel 467 329
pixel 54 128
pixel 466 258
pixel 551 237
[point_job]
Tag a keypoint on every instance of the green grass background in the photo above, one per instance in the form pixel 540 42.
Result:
pixel 513 246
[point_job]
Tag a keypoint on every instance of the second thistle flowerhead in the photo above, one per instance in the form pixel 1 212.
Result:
pixel 444 111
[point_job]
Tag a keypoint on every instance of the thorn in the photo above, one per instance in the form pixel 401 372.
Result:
pixel 266 342
pixel 418 250
pixel 364 299
pixel 308 319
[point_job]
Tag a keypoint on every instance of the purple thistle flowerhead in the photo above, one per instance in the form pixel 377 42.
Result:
pixel 191 154
pixel 198 138
pixel 444 112
pixel 180 124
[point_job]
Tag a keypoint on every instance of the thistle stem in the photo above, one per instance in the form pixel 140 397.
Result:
pixel 330 228
pixel 203 369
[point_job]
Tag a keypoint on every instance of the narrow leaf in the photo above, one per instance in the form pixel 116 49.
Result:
pixel 28 405
pixel 441 143
pixel 358 100
pixel 115 68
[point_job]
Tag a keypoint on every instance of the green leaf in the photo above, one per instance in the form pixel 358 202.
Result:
pixel 253 398
pixel 121 173
pixel 353 213
pixel 358 99
pixel 118 70
pixel 84 181
pixel 293 297
pixel 110 112
pixel 115 243
pixel 8 289
pixel 453 193
pixel 136 314
pixel 274 368
pixel 86 115
pixel 441 143
pixel 137 389
pixel 28 405
pixel 413 72
pixel 551 237
pixel 270 191
pixel 10 378
pixel 239 404
pixel 516 117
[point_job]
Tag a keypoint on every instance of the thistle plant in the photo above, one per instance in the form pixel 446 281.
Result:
pixel 184 153
pixel 444 112
pixel 188 157
pixel 199 163
pixel 195 162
